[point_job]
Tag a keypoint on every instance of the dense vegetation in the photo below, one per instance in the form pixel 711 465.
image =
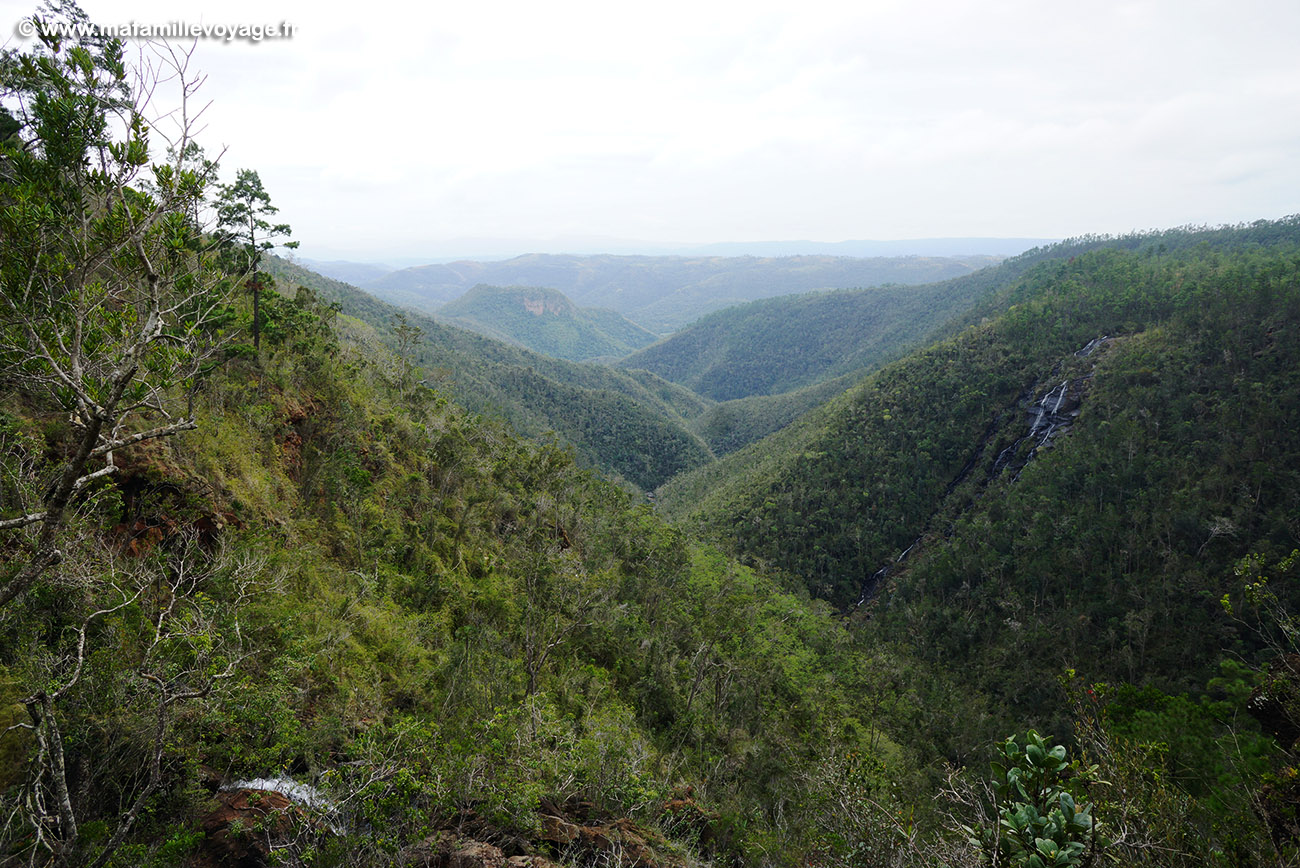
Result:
pixel 664 293
pixel 249 530
pixel 630 424
pixel 546 322
pixel 432 617
pixel 324 568
pixel 1107 551
pixel 778 345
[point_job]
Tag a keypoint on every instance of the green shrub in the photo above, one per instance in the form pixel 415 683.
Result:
pixel 1043 819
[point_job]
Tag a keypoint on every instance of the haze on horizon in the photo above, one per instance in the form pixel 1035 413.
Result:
pixel 392 134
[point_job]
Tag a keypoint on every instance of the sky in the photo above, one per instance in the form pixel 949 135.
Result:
pixel 389 132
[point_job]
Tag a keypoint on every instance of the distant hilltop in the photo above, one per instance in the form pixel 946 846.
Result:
pixel 911 247
pixel 493 249
pixel 659 293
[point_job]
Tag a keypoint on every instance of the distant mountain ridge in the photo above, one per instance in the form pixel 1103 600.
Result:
pixel 911 247
pixel 664 293
pixel 500 249
pixel 355 273
pixel 545 321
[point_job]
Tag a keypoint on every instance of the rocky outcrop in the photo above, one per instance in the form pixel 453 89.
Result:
pixel 451 850
pixel 606 842
pixel 245 826
pixel 254 817
pixel 250 822
pixel 572 831
pixel 1051 413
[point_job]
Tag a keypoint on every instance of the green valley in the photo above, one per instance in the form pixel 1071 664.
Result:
pixel 632 425
pixel 664 293
pixel 782 344
pixel 988 566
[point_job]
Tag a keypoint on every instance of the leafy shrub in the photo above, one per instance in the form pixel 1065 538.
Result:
pixel 1043 819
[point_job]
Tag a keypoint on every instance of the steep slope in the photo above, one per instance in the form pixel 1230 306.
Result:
pixel 731 425
pixel 544 321
pixel 663 293
pixel 379 629
pixel 1024 496
pixel 781 344
pixel 631 425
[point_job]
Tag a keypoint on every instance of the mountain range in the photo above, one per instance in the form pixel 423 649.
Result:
pixel 993 565
pixel 663 293
pixel 1058 494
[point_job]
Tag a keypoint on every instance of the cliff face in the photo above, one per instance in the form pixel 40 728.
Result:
pixel 545 321
pixel 540 305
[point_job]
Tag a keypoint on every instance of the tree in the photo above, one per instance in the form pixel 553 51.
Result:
pixel 1043 816
pixel 242 209
pixel 178 644
pixel 408 335
pixel 111 295
pixel 561 600
pixel 112 298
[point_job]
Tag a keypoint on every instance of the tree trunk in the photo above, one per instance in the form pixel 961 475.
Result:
pixel 256 283
pixel 44 554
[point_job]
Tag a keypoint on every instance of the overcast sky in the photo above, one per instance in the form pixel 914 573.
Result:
pixel 385 130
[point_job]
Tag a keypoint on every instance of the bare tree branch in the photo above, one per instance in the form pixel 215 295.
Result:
pixel 107 299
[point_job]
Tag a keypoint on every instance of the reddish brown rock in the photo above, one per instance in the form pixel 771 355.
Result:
pixel 448 850
pixel 573 830
pixel 531 862
pixel 559 831
pixel 612 841
pixel 476 854
pixel 245 825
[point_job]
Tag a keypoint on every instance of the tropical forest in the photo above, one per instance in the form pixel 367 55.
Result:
pixel 965 562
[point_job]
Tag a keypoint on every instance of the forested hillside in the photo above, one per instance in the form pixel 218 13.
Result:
pixel 664 293
pixel 341 577
pixel 1068 483
pixel 546 322
pixel 630 424
pixel 778 345
pixel 276 590
pixel 769 361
